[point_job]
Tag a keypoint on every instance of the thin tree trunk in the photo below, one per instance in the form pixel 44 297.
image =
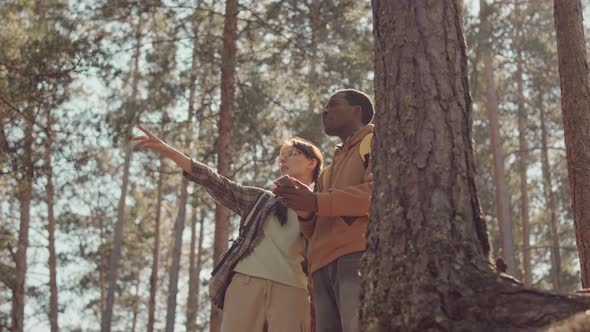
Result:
pixel 502 196
pixel 195 268
pixel 156 251
pixel 199 265
pixel 550 203
pixel 575 103
pixel 24 194
pixel 53 303
pixel 118 231
pixel 136 302
pixel 181 217
pixel 522 167
pixel 101 273
pixel 176 255
pixel 115 255
pixel 426 267
pixel 224 148
pixel 192 307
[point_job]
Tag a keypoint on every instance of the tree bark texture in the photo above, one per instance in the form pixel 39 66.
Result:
pixel 224 148
pixel 53 303
pixel 575 107
pixel 426 267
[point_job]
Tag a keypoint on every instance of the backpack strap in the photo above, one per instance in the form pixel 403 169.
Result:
pixel 365 149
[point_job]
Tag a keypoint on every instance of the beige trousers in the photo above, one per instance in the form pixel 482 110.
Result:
pixel 258 305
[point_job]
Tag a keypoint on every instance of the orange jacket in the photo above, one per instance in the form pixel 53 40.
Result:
pixel 343 198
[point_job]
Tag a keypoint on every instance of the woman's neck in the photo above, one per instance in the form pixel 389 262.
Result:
pixel 307 180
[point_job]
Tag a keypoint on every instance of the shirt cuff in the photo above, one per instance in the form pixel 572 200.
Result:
pixel 308 219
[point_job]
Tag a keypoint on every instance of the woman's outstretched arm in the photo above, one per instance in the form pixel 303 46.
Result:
pixel 228 193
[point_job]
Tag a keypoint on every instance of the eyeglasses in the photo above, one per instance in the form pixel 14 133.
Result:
pixel 288 155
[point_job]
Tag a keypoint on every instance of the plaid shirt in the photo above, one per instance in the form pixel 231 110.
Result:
pixel 252 204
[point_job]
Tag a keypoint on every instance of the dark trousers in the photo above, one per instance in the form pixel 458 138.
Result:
pixel 336 294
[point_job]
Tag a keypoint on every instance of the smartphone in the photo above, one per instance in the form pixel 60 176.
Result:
pixel 284 181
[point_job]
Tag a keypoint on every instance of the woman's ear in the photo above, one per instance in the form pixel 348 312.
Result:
pixel 312 164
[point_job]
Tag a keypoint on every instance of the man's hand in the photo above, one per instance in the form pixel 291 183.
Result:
pixel 301 198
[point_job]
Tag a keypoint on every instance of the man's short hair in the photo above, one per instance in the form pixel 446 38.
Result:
pixel 359 98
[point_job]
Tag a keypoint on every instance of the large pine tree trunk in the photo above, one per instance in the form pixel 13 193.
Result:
pixel 24 194
pixel 502 196
pixel 115 257
pixel 224 148
pixel 522 170
pixel 550 202
pixel 53 303
pixel 156 251
pixel 575 106
pixel 426 267
pixel 181 217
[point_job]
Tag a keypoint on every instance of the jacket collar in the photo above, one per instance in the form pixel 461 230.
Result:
pixel 357 137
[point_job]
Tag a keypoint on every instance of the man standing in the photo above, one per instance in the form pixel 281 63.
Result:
pixel 338 212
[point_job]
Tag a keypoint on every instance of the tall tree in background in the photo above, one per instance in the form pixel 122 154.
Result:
pixel 224 148
pixel 24 194
pixel 575 106
pixel 551 207
pixel 522 151
pixel 135 308
pixel 53 293
pixel 164 88
pixel 181 216
pixel 195 264
pixel 37 61
pixel 156 250
pixel 503 213
pixel 196 258
pixel 130 118
pixel 426 266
